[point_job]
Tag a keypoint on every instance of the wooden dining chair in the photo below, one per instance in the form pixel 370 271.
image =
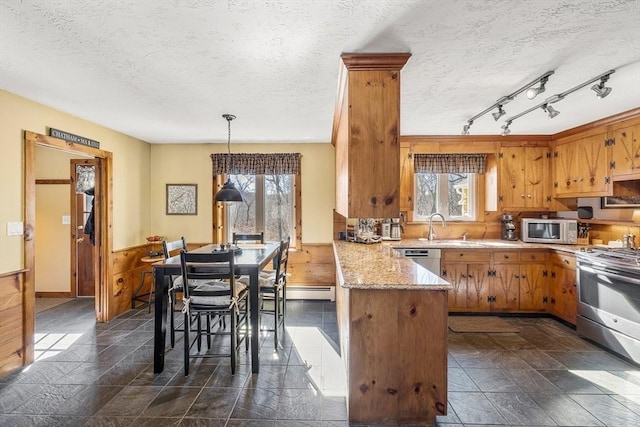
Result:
pixel 170 249
pixel 248 237
pixel 273 287
pixel 216 295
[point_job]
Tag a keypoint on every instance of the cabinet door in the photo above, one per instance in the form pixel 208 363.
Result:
pixel 592 165
pixel 505 287
pixel 566 279
pixel 564 177
pixel 625 153
pixel 406 179
pixel 536 177
pixel 512 166
pixel 478 287
pixel 456 275
pixel 533 287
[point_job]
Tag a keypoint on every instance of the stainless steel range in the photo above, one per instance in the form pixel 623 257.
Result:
pixel 609 299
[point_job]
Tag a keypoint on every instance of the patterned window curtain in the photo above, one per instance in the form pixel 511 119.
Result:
pixel 256 163
pixel 450 163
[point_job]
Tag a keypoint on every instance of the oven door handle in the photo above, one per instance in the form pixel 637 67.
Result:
pixel 595 270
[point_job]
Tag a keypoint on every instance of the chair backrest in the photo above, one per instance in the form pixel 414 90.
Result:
pixel 282 260
pixel 174 247
pixel 248 237
pixel 207 267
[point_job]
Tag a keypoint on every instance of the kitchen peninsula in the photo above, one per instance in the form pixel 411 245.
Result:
pixel 392 317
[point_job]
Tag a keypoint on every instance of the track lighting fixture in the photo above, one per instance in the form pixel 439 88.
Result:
pixel 505 100
pixel 552 112
pixel 498 113
pixel 532 92
pixel 600 89
pixel 505 128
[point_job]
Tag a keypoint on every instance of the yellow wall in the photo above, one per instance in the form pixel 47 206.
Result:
pixel 191 164
pixel 131 171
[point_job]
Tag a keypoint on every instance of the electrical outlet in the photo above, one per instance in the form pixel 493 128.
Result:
pixel 15 228
pixel 66 219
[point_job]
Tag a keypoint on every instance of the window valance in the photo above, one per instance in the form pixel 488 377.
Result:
pixel 449 163
pixel 256 163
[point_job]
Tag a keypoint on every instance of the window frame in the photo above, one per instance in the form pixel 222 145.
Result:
pixel 443 188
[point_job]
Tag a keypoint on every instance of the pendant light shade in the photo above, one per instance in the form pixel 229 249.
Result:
pixel 229 192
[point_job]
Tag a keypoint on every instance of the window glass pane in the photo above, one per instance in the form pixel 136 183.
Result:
pixel 242 216
pixel 450 194
pixel 278 206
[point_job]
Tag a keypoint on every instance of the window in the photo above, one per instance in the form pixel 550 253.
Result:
pixel 451 194
pixel 268 205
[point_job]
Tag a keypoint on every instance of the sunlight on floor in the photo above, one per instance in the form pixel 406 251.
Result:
pixel 325 367
pixel 607 380
pixel 50 344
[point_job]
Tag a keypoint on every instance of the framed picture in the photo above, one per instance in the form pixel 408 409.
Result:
pixel 182 199
pixel 619 202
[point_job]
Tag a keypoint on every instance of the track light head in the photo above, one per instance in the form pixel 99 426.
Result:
pixel 600 89
pixel 465 128
pixel 505 129
pixel 532 92
pixel 552 112
pixel 498 113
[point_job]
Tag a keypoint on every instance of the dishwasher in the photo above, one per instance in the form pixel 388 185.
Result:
pixel 429 258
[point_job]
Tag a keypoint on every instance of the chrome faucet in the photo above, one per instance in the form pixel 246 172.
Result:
pixel 431 232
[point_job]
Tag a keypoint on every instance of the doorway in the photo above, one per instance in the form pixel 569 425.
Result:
pixel 83 225
pixel 103 234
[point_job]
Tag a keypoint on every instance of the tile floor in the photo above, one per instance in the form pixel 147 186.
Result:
pixel 101 375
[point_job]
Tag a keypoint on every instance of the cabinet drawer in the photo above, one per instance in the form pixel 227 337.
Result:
pixel 506 256
pixel 564 260
pixel 466 256
pixel 533 256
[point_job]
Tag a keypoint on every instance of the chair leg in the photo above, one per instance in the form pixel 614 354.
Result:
pixel 276 314
pixel 198 332
pixel 246 325
pixel 186 343
pixel 234 342
pixel 172 321
pixel 208 332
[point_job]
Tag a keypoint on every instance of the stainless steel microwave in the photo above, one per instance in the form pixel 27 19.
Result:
pixel 563 231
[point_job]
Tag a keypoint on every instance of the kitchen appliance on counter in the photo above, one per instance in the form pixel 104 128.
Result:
pixel 608 281
pixel 508 228
pixel 562 231
pixel 390 229
pixel 362 230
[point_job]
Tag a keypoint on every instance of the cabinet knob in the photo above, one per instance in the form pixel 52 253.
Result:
pixel 522 195
pixel 529 196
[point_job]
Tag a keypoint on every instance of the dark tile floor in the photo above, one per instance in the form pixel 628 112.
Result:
pixel 91 374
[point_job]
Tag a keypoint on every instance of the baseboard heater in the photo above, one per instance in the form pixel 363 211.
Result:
pixel 311 292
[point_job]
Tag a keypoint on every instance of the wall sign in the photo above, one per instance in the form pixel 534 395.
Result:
pixel 76 139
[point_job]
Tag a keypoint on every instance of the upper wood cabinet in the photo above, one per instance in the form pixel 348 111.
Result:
pixel 580 166
pixel 624 143
pixel 367 136
pixel 524 182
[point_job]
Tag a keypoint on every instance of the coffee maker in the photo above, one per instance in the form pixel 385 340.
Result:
pixel 508 228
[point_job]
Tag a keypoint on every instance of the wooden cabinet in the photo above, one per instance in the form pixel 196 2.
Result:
pixel 580 166
pixel 624 143
pixel 468 273
pixel 406 179
pixel 496 281
pixel 367 136
pixel 524 178
pixel 563 299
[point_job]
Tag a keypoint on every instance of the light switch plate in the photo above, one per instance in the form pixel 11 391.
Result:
pixel 15 228
pixel 66 219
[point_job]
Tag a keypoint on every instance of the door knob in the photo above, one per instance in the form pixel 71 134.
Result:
pixel 80 239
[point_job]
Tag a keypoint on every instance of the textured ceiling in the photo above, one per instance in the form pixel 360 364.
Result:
pixel 165 71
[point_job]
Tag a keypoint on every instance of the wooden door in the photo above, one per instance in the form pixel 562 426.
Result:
pixel 565 179
pixel 83 267
pixel 478 287
pixel 456 275
pixel 533 287
pixel 536 177
pixel 591 165
pixel 625 153
pixel 505 288
pixel 512 178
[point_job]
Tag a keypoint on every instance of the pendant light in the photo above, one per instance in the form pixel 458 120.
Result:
pixel 228 193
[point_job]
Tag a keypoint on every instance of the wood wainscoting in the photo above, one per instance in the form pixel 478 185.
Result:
pixel 12 321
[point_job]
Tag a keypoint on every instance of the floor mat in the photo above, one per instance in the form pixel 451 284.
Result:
pixel 480 324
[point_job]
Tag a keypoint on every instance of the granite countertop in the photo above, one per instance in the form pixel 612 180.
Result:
pixel 379 266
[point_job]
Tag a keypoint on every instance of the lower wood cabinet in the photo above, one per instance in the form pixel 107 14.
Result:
pixel 563 295
pixel 468 273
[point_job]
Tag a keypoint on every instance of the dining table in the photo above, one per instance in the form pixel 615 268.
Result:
pixel 249 260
